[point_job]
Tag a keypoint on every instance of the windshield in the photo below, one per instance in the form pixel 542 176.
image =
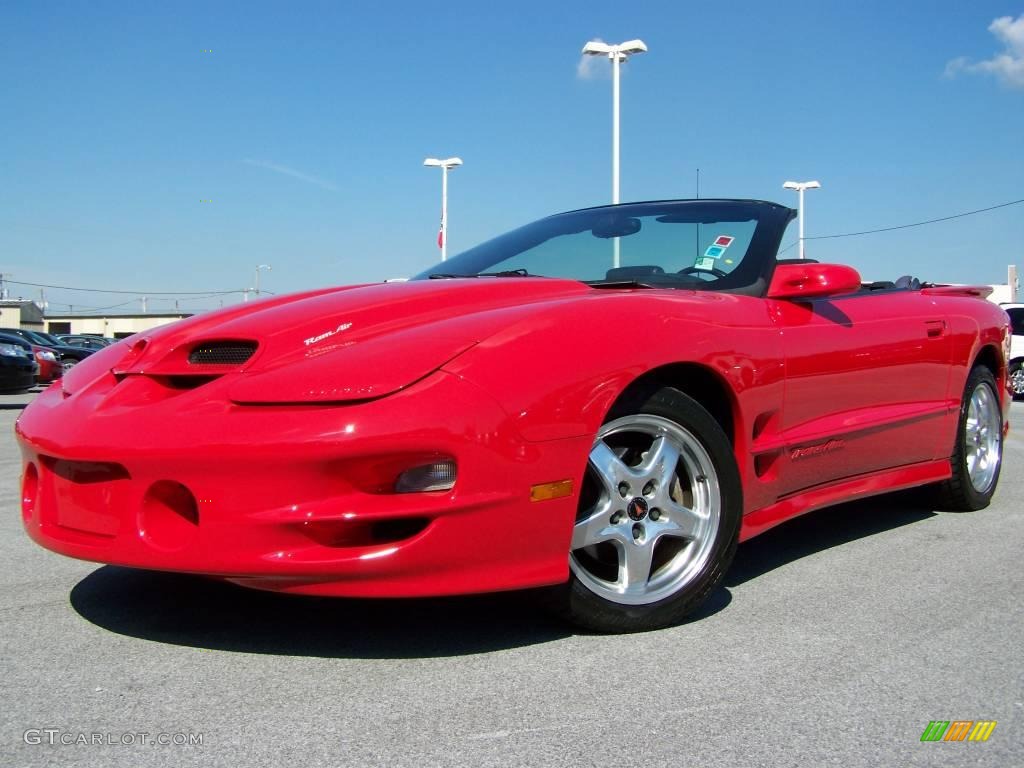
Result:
pixel 716 244
pixel 37 338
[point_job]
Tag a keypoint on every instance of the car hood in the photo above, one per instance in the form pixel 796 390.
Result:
pixel 344 344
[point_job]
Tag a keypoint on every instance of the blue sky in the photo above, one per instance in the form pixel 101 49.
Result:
pixel 308 123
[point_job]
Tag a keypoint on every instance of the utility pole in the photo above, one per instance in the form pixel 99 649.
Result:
pixel 257 284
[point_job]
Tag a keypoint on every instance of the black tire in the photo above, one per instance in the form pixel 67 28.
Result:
pixel 960 493
pixel 1016 376
pixel 584 606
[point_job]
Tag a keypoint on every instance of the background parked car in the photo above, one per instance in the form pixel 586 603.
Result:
pixel 18 367
pixel 50 367
pixel 67 355
pixel 84 340
pixel 1016 368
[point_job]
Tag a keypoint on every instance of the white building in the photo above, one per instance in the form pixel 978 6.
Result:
pixel 116 326
pixel 19 313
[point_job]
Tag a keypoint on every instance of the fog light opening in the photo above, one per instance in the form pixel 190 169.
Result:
pixel 435 476
pixel 29 491
pixel 169 516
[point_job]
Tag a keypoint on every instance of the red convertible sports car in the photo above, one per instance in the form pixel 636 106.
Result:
pixel 604 402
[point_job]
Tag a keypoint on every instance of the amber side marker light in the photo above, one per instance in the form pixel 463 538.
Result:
pixel 547 491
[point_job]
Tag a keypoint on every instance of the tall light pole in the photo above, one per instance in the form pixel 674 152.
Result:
pixel 256 289
pixel 800 186
pixel 618 54
pixel 445 166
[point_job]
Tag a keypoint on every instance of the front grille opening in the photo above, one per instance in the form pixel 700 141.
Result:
pixel 348 533
pixel 222 353
pixel 187 382
pixel 387 531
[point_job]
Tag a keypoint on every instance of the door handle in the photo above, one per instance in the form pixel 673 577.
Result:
pixel 935 328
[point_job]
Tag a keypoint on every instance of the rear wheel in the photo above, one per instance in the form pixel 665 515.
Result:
pixel 658 519
pixel 978 453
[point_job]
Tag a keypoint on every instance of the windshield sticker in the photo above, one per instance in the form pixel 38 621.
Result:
pixel 724 240
pixel 714 251
pixel 704 263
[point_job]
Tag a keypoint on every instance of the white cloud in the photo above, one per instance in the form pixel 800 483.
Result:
pixel 590 67
pixel 1008 66
pixel 286 171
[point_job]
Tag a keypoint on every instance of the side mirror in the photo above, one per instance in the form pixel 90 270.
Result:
pixel 808 281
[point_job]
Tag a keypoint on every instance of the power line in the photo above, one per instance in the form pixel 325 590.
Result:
pixel 918 223
pixel 140 293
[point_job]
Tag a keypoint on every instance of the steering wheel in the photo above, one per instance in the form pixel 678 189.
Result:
pixel 715 271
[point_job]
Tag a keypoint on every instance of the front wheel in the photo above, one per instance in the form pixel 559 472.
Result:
pixel 978 453
pixel 67 364
pixel 658 519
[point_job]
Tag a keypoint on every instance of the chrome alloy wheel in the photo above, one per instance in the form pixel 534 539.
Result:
pixel 982 443
pixel 1017 380
pixel 650 513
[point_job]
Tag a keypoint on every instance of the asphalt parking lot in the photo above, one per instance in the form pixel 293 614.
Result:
pixel 836 639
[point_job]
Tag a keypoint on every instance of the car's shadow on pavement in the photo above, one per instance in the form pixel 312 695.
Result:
pixel 206 613
pixel 826 528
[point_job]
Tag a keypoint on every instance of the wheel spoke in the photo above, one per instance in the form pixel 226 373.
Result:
pixel 609 467
pixel 679 521
pixel 635 565
pixel 662 459
pixel 595 528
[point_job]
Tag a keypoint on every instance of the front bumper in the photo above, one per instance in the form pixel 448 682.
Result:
pixel 137 473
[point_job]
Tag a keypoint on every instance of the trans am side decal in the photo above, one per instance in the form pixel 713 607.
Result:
pixel 817 450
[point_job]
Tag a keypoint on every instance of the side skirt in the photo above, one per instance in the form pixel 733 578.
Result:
pixel 849 489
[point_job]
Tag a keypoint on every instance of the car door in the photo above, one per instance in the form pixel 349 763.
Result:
pixel 866 385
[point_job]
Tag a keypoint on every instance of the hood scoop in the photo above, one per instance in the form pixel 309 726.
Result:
pixel 222 353
pixel 202 358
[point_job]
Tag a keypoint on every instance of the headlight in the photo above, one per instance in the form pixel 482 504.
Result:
pixel 11 350
pixel 46 355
